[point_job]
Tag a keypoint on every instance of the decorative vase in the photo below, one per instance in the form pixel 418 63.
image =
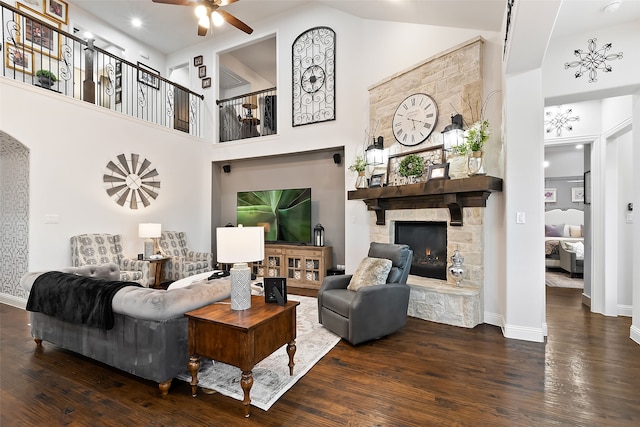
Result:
pixel 458 166
pixel 456 270
pixel 475 163
pixel 361 181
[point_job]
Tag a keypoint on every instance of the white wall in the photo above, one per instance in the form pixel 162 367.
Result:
pixel 70 146
pixel 624 195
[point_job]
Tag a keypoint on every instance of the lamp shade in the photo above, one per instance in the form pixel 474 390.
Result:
pixel 151 230
pixel 240 244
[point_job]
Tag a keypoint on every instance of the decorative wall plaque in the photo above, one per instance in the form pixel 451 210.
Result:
pixel 131 181
pixel 313 56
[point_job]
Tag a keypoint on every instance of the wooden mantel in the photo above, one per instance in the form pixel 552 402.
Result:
pixel 453 194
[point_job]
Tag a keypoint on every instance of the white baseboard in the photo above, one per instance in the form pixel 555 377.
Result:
pixel 625 310
pixel 13 301
pixel 523 333
pixel 493 319
pixel 634 334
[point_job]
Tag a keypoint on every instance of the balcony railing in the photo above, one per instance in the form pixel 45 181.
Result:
pixel 249 115
pixel 34 48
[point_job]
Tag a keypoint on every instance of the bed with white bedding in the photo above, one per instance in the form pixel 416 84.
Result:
pixel 561 225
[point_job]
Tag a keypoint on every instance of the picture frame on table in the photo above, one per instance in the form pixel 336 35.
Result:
pixel 57 9
pixel 432 156
pixel 148 76
pixel 38 37
pixel 206 82
pixel 18 58
pixel 198 61
pixel 440 171
pixel 202 71
pixel 550 195
pixel 377 180
pixel 577 194
pixel 587 188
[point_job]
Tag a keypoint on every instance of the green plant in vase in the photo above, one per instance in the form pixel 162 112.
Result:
pixel 359 165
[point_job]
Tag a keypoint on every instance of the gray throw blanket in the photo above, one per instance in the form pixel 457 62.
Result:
pixel 76 299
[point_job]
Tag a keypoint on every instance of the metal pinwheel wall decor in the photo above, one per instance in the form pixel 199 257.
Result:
pixel 314 62
pixel 131 181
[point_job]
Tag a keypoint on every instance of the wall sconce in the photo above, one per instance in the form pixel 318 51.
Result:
pixel 318 235
pixel 453 134
pixel 375 152
pixel 150 232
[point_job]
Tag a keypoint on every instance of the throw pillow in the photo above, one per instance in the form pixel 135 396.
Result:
pixel 370 272
pixel 555 230
pixel 575 231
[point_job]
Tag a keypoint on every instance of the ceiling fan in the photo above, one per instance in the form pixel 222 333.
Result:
pixel 209 10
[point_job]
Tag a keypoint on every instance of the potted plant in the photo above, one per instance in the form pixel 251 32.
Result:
pixel 359 165
pixel 46 78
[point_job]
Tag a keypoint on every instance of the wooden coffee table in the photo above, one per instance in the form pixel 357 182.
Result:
pixel 240 338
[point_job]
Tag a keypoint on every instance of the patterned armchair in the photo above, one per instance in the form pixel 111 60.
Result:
pixel 183 262
pixel 95 249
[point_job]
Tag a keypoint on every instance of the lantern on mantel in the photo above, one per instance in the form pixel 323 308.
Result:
pixel 453 134
pixel 375 153
pixel 318 235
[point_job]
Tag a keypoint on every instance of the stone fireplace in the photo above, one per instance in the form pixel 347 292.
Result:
pixel 460 206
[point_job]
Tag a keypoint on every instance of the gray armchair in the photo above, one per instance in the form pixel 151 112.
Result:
pixel 571 259
pixel 372 311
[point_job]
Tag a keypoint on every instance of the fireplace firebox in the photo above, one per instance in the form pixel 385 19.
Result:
pixel 428 240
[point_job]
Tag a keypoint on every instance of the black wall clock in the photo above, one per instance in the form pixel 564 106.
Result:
pixel 131 181
pixel 414 119
pixel 314 62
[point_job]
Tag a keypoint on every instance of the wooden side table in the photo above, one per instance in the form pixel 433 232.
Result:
pixel 240 338
pixel 158 268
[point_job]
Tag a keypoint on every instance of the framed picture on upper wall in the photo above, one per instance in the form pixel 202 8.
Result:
pixel 198 61
pixel 550 195
pixel 206 82
pixel 202 71
pixel 148 76
pixel 18 58
pixel 38 37
pixel 57 9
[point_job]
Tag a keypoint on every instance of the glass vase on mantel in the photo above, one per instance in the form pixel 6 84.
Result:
pixel 475 163
pixel 361 181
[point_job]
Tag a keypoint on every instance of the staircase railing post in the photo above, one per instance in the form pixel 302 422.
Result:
pixel 88 85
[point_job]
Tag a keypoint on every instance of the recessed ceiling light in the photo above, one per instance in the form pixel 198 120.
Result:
pixel 136 22
pixel 612 6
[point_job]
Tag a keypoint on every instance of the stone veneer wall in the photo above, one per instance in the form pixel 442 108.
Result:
pixel 453 78
pixel 439 300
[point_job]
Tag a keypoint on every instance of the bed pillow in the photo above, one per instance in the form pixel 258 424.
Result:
pixel 575 231
pixel 371 271
pixel 577 247
pixel 555 230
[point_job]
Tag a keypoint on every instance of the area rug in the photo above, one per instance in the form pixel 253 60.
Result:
pixel 271 377
pixel 560 279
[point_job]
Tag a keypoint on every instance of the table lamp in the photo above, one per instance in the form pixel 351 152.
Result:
pixel 238 246
pixel 149 231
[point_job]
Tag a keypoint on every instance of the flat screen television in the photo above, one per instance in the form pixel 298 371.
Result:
pixel 285 214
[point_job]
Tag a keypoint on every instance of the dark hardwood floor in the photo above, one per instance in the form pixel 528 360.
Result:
pixel 427 374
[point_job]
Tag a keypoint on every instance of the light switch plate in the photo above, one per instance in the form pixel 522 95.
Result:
pixel 519 217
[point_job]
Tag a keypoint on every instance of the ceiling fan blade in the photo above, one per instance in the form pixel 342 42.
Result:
pixel 235 21
pixel 177 2
pixel 226 2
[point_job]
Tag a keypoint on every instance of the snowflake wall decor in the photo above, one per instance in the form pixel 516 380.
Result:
pixel 560 120
pixel 593 60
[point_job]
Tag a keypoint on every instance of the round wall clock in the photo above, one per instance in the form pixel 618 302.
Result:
pixel 414 119
pixel 131 181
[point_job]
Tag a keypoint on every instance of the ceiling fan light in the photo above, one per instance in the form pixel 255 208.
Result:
pixel 204 22
pixel 217 18
pixel 201 11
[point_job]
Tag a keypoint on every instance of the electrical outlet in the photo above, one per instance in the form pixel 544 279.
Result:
pixel 51 219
